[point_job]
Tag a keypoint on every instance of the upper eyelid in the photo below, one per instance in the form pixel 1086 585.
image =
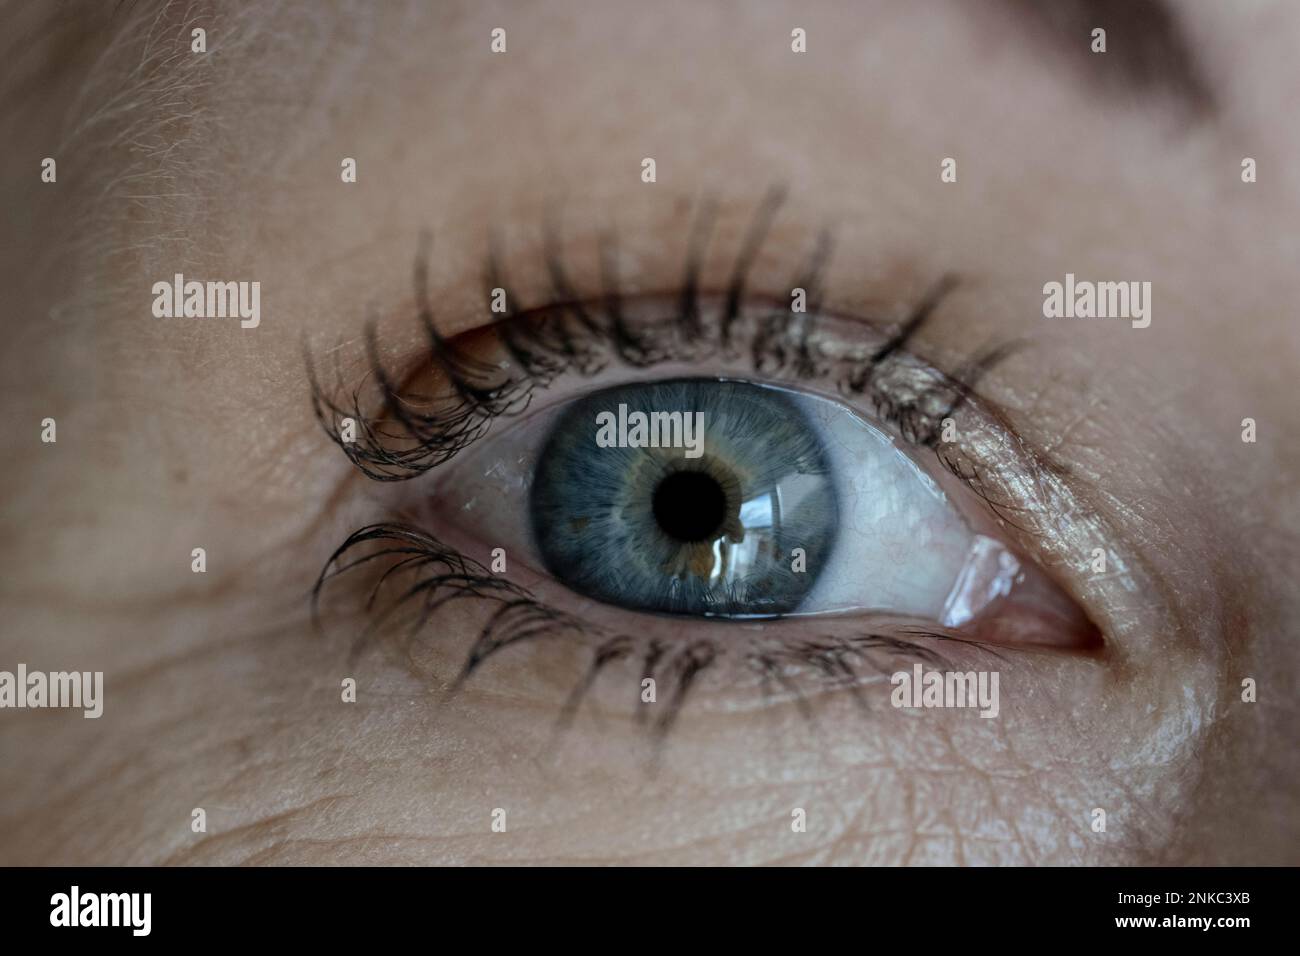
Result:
pixel 476 387
pixel 482 392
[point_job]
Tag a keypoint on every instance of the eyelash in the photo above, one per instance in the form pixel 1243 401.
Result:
pixel 544 343
pixel 449 576
pixel 397 443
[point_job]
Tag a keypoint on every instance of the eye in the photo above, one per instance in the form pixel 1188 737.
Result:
pixel 671 458
pixel 732 499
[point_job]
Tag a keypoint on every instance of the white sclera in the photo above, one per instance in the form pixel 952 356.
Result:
pixel 902 545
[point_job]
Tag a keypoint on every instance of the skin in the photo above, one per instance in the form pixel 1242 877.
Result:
pixel 175 434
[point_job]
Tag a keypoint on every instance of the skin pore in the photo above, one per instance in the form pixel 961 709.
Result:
pixel 176 434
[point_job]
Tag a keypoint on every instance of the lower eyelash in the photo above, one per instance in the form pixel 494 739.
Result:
pixel 442 575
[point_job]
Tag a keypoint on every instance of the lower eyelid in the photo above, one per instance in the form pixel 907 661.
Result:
pixel 542 652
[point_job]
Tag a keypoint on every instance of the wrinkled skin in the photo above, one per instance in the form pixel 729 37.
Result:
pixel 179 434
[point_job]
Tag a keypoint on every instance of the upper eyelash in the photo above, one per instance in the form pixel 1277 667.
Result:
pixel 399 442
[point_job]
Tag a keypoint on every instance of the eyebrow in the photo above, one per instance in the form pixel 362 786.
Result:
pixel 1148 53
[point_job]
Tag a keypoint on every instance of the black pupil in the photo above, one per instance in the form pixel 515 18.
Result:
pixel 690 506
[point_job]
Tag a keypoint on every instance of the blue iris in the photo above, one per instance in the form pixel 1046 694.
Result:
pixel 735 526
